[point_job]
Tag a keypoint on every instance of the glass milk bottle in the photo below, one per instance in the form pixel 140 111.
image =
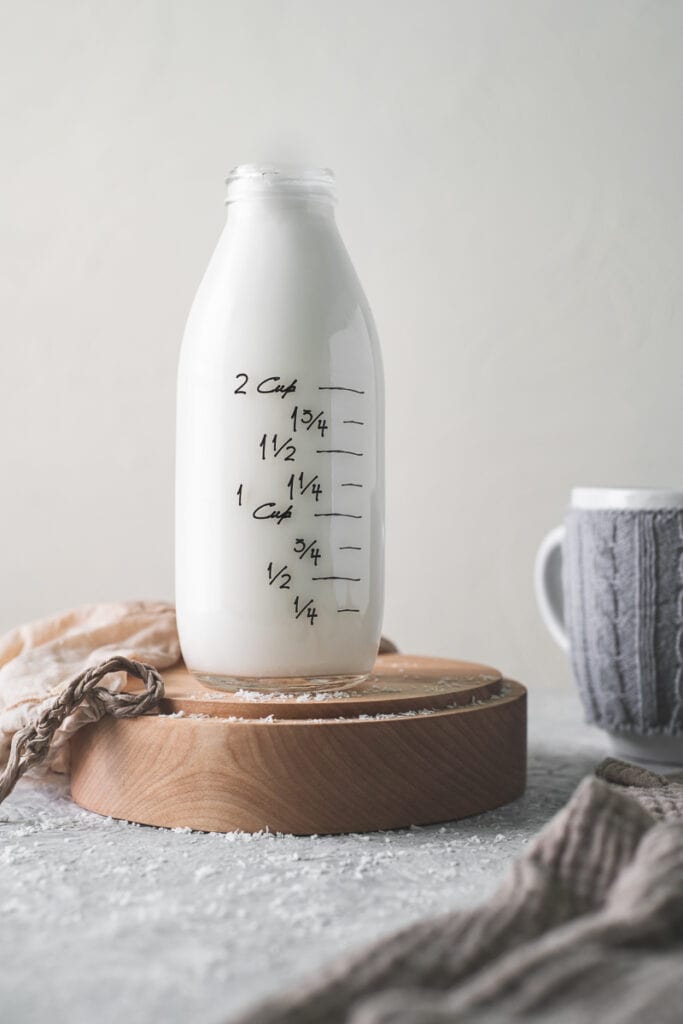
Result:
pixel 280 449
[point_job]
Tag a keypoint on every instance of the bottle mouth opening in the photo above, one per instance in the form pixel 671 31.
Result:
pixel 279 179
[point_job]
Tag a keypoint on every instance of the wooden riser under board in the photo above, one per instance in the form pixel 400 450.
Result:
pixel 423 740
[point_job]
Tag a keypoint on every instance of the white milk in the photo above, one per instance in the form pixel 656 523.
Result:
pixel 280 449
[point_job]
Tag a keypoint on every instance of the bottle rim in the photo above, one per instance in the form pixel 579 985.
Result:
pixel 280 179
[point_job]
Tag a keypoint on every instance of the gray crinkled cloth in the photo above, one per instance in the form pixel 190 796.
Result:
pixel 587 927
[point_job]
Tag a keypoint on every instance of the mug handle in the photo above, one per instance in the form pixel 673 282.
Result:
pixel 548 585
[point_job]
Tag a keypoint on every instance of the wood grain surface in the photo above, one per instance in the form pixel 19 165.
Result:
pixel 452 744
pixel 398 683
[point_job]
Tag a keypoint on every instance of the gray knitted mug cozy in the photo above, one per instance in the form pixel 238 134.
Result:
pixel 623 592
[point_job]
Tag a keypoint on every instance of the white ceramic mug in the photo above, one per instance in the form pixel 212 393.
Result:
pixel 609 586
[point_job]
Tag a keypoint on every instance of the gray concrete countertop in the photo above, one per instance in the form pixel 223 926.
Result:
pixel 101 920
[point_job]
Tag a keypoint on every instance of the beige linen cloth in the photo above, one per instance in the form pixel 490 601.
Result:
pixel 38 660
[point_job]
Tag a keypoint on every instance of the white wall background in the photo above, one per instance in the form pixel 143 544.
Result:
pixel 510 182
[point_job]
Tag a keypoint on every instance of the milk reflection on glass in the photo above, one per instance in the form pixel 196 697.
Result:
pixel 280 449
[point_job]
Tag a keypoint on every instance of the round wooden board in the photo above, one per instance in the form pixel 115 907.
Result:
pixel 422 740
pixel 398 683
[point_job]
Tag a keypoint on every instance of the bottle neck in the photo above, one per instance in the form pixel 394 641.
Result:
pixel 280 208
pixel 268 190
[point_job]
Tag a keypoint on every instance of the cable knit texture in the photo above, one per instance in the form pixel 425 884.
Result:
pixel 624 610
pixel 587 927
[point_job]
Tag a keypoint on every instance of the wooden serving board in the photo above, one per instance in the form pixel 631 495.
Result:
pixel 422 740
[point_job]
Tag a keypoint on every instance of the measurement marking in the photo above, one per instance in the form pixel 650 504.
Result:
pixel 336 387
pixel 277 575
pixel 313 422
pixel 350 485
pixel 311 481
pixel 282 575
pixel 349 579
pixel 347 610
pixel 349 547
pixel 359 423
pixel 335 451
pixel 342 515
pixel 282 446
pixel 300 611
